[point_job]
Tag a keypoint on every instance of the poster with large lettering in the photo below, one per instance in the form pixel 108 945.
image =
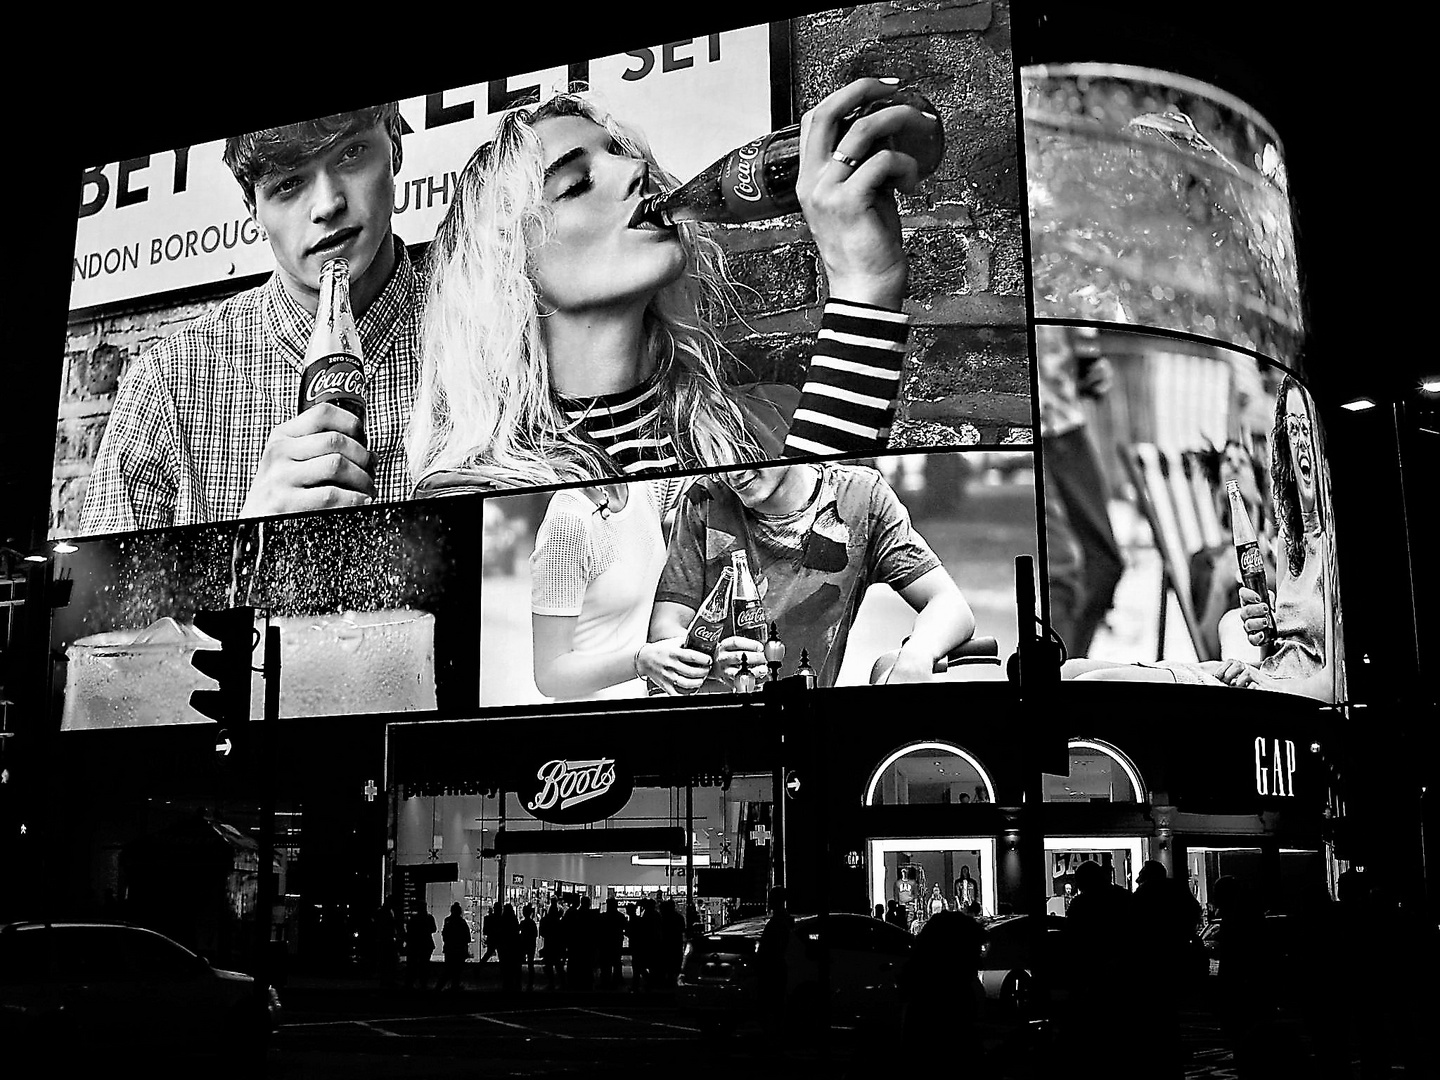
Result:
pixel 484 225
pixel 869 572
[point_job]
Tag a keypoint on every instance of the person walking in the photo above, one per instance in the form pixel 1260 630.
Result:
pixel 1246 997
pixel 419 947
pixel 1167 918
pixel 644 940
pixel 508 948
pixel 672 944
pixel 529 934
pixel 487 932
pixel 387 943
pixel 580 941
pixel 552 950
pixel 1100 937
pixel 455 946
pixel 612 945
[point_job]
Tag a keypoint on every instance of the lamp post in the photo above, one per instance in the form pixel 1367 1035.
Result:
pixel 774 652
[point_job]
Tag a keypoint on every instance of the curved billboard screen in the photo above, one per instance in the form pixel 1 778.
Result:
pixel 519 318
pixel 1159 201
pixel 1156 570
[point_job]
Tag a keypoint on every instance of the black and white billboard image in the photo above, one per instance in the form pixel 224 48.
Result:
pixel 520 310
pixel 1188 515
pixel 375 606
pixel 1159 201
pixel 863 572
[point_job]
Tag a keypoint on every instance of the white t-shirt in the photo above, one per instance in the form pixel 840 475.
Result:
pixel 602 570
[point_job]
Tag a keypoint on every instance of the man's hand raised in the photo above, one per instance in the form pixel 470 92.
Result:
pixel 312 462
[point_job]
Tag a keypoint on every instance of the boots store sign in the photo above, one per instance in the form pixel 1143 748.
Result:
pixel 576 791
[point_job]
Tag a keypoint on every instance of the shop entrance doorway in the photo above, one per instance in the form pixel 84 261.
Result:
pixel 925 874
pixel 1121 855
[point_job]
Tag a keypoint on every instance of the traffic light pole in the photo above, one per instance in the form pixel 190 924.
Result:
pixel 266 893
pixel 1038 671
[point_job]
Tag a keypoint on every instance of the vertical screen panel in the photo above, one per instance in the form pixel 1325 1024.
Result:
pixel 1144 568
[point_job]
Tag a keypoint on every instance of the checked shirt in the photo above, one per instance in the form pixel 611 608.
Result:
pixel 193 414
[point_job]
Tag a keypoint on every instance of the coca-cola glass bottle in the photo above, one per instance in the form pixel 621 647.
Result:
pixel 1247 553
pixel 708 626
pixel 757 181
pixel 751 618
pixel 334 365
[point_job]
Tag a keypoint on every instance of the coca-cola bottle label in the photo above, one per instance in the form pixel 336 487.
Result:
pixel 751 620
pixel 1251 561
pixel 746 186
pixel 337 378
pixel 705 636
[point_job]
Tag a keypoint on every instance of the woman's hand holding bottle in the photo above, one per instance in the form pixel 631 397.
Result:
pixel 846 189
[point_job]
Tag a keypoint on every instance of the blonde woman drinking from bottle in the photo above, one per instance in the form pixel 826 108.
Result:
pixel 564 340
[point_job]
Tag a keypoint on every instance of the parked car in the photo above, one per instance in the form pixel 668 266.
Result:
pixel 78 984
pixel 1022 972
pixel 719 982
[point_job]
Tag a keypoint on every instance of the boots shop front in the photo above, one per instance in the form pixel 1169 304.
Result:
pixel 709 806
pixel 589 804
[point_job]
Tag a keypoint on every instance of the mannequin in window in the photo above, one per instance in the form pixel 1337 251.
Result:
pixel 967 893
pixel 937 901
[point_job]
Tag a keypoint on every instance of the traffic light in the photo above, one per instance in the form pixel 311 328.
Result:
pixel 229 665
pixel 1034 670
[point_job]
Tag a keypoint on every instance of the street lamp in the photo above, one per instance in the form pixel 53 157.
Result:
pixel 745 678
pixel 774 652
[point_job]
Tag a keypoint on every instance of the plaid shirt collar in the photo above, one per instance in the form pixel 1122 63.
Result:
pixel 288 324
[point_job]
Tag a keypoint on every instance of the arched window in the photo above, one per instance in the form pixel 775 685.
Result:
pixel 929 773
pixel 1098 773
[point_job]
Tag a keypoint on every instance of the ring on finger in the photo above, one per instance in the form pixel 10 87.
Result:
pixel 845 159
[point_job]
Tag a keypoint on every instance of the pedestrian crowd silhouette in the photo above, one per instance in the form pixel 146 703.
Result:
pixel 575 946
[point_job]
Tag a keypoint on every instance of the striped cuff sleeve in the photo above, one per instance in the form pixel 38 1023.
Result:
pixel 848 402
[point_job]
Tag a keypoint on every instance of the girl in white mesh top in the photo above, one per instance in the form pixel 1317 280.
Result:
pixel 598 556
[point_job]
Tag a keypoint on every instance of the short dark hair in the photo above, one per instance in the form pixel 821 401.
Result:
pixel 254 156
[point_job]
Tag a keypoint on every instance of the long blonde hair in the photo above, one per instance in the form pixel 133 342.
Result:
pixel 486 399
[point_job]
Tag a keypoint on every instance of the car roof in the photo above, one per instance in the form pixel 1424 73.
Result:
pixel 755 925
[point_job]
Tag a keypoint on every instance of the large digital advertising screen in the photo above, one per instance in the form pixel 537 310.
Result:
pixel 1158 200
pixel 520 327
pixel 375 606
pixel 1187 506
pixel 862 572
pixel 1157 569
pixel 519 312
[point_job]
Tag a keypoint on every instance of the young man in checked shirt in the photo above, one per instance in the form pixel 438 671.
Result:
pixel 204 427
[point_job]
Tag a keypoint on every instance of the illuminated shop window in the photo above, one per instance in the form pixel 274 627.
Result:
pixel 928 774
pixel 1098 773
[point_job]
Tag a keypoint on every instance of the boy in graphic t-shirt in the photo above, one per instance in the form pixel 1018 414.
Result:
pixel 817 536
